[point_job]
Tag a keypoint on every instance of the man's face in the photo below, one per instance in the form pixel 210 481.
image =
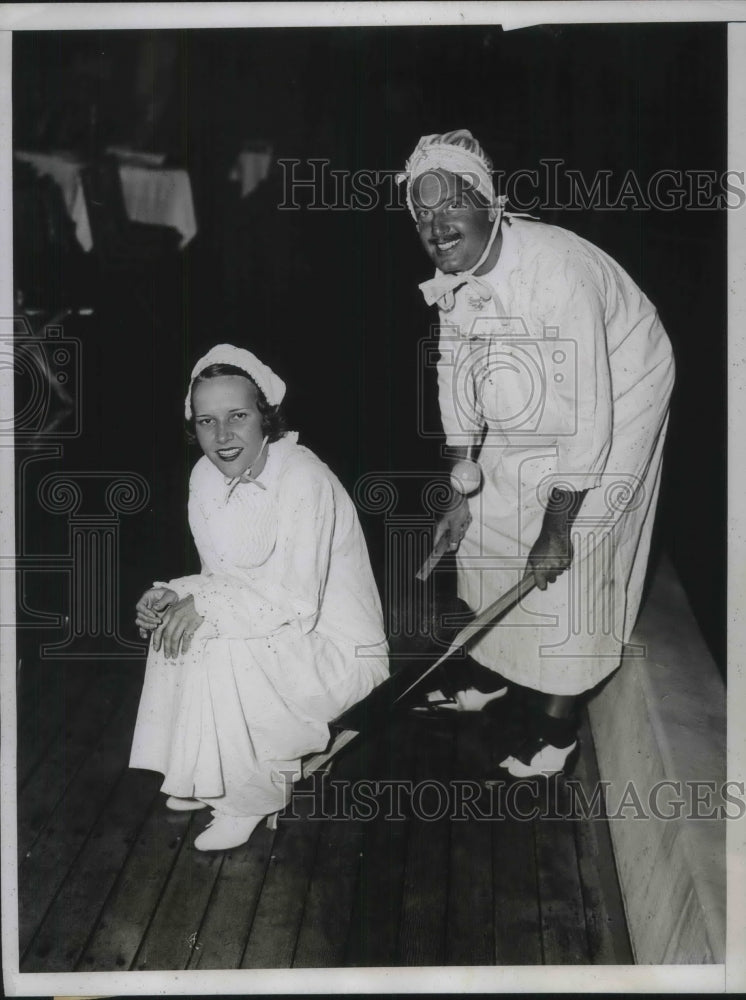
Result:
pixel 454 227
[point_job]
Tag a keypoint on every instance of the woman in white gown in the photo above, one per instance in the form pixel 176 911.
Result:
pixel 280 633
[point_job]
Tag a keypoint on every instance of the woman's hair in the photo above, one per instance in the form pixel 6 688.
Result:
pixel 273 419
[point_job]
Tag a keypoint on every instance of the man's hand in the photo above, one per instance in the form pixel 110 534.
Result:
pixel 552 552
pixel 455 521
pixel 150 608
pixel 550 555
pixel 180 622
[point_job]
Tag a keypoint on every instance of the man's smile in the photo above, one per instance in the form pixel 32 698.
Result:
pixel 444 245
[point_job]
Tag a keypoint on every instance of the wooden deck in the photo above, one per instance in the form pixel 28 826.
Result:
pixel 355 874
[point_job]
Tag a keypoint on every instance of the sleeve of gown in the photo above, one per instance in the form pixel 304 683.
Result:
pixel 458 416
pixel 181 585
pixel 579 393
pixel 292 593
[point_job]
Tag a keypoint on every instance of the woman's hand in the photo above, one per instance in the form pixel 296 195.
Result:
pixel 180 622
pixel 455 522
pixel 150 608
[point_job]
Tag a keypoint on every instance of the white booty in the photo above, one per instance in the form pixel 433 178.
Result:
pixel 184 805
pixel 547 761
pixel 225 832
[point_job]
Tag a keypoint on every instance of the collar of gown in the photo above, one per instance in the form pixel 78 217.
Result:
pixel 265 477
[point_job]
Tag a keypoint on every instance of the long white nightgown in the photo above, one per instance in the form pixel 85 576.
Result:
pixel 293 635
pixel 570 371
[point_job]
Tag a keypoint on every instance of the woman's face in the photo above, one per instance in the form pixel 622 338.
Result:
pixel 453 226
pixel 227 422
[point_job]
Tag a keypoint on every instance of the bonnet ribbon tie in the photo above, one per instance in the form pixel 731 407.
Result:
pixel 443 287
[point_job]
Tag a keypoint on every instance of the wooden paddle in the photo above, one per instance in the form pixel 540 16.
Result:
pixel 438 551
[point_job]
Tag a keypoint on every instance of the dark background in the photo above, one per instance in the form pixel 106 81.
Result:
pixel 330 298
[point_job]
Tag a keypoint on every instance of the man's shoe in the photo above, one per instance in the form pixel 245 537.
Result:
pixel 470 700
pixel 538 758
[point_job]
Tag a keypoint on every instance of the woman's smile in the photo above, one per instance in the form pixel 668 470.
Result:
pixel 228 424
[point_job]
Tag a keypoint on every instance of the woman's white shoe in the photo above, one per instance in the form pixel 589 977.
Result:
pixel 225 832
pixel 184 805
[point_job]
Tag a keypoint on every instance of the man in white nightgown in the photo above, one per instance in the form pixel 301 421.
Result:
pixel 554 381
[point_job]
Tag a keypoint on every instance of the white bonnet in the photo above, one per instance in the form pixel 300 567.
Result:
pixel 226 354
pixel 459 153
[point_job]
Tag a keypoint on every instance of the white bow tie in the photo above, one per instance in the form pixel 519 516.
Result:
pixel 245 477
pixel 444 287
pixel 233 481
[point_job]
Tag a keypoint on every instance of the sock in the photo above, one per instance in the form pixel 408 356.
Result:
pixel 559 733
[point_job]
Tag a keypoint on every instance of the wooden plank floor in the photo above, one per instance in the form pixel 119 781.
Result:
pixel 398 857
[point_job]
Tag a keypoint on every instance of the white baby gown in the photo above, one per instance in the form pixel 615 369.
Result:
pixel 567 371
pixel 292 637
